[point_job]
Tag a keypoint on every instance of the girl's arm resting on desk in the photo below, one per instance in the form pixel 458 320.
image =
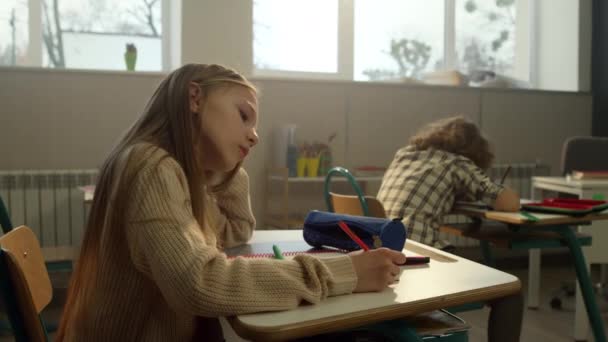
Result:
pixel 231 209
pixel 168 246
pixel 507 200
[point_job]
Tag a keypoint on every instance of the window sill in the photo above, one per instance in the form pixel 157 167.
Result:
pixel 32 69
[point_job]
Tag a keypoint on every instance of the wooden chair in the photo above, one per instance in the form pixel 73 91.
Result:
pixel 25 284
pixel 350 204
pixel 59 258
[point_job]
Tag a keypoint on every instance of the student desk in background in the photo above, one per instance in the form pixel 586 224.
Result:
pixel 594 254
pixel 549 231
pixel 88 191
pixel 447 281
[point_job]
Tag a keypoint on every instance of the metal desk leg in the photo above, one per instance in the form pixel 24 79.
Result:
pixel 488 257
pixel 581 322
pixel 533 278
pixel 582 274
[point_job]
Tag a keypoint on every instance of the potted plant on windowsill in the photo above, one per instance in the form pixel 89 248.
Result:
pixel 131 56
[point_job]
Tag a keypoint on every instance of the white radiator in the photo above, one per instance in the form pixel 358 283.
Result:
pixel 518 179
pixel 49 202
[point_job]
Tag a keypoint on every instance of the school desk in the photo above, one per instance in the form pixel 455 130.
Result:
pixel 448 280
pixel 594 254
pixel 549 231
pixel 88 192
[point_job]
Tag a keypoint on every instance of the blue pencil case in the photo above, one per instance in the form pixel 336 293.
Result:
pixel 321 229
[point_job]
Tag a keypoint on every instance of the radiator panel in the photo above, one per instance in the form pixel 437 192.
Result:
pixel 49 202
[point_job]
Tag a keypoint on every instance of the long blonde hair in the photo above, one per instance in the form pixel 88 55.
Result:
pixel 166 123
pixel 456 135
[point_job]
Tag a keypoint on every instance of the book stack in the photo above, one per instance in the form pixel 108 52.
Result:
pixel 576 174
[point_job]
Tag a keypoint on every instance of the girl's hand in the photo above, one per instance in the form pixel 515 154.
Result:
pixel 376 268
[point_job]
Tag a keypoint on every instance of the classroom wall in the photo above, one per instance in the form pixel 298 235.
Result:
pixel 55 119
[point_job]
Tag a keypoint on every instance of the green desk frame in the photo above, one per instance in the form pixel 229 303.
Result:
pixel 566 238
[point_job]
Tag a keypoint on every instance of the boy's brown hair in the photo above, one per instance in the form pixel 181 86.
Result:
pixel 455 135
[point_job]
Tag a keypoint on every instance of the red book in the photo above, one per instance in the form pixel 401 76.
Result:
pixel 567 206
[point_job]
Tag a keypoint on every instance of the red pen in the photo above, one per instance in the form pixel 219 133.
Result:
pixel 352 235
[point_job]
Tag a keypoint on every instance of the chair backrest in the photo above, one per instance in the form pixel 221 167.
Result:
pixel 338 170
pixel 25 284
pixel 585 154
pixel 5 220
pixel 350 204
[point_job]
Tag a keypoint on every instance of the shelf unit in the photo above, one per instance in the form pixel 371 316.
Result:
pixel 286 205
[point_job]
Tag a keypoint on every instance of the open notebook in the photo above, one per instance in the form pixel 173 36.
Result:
pixel 289 249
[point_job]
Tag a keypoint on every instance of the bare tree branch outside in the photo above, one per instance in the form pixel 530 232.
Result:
pixel 99 17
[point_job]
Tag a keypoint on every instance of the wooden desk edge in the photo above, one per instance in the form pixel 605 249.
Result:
pixel 496 216
pixel 352 320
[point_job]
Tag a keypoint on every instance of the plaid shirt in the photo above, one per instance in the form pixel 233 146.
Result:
pixel 422 186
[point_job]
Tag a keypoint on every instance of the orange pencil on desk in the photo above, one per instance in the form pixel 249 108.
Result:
pixel 352 235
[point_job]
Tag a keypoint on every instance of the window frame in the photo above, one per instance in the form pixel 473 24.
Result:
pixel 35 50
pixel 346 22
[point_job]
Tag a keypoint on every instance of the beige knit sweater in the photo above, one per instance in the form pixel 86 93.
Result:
pixel 164 279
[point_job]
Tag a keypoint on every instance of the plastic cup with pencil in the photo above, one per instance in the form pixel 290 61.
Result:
pixel 312 166
pixel 325 158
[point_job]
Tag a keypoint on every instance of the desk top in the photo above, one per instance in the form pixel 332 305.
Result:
pixel 518 219
pixel 574 183
pixel 447 281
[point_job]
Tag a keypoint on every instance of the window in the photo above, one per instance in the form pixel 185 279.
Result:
pixel 396 38
pixel 485 35
pixel 13 32
pixel 84 34
pixel 294 35
pixel 384 39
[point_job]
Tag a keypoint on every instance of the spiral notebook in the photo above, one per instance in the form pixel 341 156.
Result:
pixel 289 249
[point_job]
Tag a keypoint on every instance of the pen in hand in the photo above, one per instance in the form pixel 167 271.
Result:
pixel 416 260
pixel 504 176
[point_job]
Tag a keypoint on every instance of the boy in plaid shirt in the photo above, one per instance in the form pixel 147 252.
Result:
pixel 444 162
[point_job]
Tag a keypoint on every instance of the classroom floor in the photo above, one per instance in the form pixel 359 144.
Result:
pixel 544 324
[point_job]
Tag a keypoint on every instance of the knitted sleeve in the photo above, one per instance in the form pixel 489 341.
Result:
pixel 231 211
pixel 168 246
